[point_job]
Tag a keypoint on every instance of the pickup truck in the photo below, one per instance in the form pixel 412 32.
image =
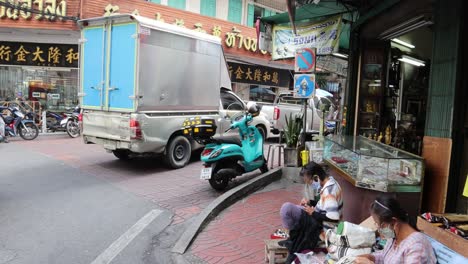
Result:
pixel 141 78
pixel 285 104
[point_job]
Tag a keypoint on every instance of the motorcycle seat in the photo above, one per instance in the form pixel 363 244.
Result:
pixel 228 140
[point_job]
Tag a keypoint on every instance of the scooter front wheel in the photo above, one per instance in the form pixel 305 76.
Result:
pixel 220 176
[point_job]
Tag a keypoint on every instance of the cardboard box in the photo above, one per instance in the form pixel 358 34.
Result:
pixel 451 240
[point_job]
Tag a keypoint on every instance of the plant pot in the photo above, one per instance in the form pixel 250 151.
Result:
pixel 291 157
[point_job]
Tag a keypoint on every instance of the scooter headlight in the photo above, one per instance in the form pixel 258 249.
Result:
pixel 216 154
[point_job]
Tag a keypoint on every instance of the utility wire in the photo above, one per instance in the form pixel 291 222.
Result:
pixel 34 11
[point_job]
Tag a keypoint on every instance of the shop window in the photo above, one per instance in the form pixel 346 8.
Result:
pixel 235 11
pixel 180 4
pixel 53 89
pixel 208 8
pixel 255 12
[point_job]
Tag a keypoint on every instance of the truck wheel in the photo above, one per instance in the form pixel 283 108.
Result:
pixel 262 131
pixel 178 152
pixel 122 154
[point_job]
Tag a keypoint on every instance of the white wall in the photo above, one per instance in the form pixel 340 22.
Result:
pixel 193 6
pixel 222 7
pixel 163 2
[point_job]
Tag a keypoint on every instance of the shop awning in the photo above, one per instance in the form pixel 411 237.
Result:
pixel 316 12
pixel 309 13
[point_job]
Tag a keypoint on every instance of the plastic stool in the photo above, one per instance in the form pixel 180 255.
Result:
pixel 272 149
pixel 275 253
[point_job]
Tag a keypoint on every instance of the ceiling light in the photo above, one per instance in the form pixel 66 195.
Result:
pixel 401 42
pixel 340 55
pixel 406 27
pixel 412 61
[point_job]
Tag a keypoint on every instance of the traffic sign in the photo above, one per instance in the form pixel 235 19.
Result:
pixel 305 60
pixel 304 85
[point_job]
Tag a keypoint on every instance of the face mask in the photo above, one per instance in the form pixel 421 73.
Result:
pixel 387 232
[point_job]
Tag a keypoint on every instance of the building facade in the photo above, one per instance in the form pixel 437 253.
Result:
pixel 39 44
pixel 39 52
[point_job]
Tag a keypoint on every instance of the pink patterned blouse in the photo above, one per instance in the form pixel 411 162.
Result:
pixel 413 249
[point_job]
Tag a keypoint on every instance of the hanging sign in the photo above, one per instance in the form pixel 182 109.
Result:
pixel 304 85
pixel 305 60
pixel 260 75
pixel 324 35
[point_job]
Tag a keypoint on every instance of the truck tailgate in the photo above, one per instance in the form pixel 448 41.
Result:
pixel 107 125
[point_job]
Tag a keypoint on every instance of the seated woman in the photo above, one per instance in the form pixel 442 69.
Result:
pixel 306 221
pixel 329 206
pixel 404 243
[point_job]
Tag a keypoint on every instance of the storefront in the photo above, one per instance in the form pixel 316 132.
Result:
pixel 406 120
pixel 404 77
pixel 39 53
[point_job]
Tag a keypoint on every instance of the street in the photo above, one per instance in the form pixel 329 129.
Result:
pixel 62 201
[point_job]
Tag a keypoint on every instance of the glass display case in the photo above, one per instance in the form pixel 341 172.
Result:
pixel 315 149
pixel 370 164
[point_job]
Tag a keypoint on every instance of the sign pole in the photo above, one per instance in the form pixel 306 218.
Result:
pixel 304 87
pixel 304 126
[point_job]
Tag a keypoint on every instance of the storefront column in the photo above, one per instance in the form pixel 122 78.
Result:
pixel 437 145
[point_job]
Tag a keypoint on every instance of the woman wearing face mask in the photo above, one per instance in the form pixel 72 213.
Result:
pixel 404 243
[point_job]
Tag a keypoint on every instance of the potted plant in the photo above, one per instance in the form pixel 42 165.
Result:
pixel 291 134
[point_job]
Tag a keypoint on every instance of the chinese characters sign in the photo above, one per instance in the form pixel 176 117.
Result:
pixel 47 9
pixel 34 54
pixel 325 36
pixel 260 75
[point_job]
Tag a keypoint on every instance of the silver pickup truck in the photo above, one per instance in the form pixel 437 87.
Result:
pixel 286 104
pixel 141 78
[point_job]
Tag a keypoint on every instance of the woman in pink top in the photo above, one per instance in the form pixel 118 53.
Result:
pixel 404 243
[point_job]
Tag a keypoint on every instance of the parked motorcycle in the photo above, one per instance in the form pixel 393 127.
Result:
pixel 16 123
pixel 66 122
pixel 226 158
pixel 72 122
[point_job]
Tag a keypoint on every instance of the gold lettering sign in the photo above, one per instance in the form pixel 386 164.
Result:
pixel 48 9
pixel 72 56
pixel 231 39
pixel 5 53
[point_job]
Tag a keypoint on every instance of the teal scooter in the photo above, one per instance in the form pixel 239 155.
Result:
pixel 226 158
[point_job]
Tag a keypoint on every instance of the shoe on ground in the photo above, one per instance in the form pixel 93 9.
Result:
pixel 285 243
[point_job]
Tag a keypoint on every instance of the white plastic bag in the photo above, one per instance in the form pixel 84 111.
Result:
pixel 346 260
pixel 350 229
pixel 307 258
pixel 336 252
pixel 363 239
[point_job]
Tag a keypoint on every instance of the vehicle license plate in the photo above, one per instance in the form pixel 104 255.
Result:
pixel 205 173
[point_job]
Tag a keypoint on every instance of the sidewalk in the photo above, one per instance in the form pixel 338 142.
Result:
pixel 237 234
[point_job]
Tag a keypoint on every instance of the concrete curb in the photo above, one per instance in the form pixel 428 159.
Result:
pixel 222 202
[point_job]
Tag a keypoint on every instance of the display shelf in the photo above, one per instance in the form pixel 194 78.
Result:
pixel 372 165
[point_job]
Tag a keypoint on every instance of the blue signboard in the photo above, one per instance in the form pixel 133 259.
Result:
pixel 305 60
pixel 304 85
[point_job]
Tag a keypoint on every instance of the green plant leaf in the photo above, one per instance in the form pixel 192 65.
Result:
pixel 292 130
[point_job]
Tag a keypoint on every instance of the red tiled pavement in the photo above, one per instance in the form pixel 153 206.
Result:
pixel 237 234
